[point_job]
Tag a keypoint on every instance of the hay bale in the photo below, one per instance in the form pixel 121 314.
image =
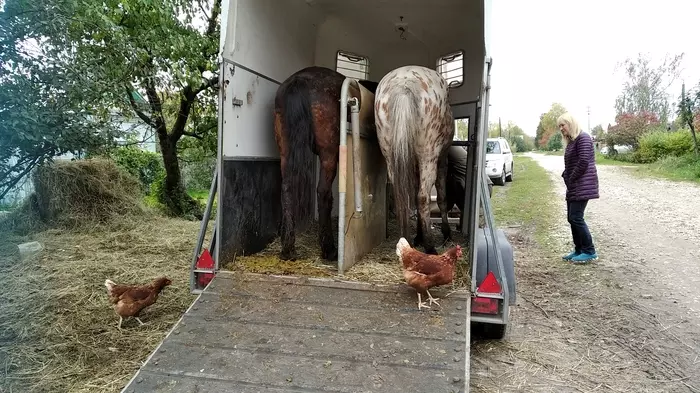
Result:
pixel 73 193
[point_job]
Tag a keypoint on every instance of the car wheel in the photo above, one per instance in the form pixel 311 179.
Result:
pixel 509 178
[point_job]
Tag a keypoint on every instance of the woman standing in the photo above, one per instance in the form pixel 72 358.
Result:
pixel 581 179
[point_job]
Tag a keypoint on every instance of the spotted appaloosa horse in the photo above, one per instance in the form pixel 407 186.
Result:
pixel 415 128
pixel 307 117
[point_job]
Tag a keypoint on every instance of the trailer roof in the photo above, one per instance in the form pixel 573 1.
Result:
pixel 437 25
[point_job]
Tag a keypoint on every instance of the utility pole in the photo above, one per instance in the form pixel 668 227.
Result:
pixel 500 130
pixel 589 119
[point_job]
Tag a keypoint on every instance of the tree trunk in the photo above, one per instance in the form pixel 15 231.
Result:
pixel 695 139
pixel 173 194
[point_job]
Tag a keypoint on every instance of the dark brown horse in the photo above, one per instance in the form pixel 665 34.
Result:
pixel 307 117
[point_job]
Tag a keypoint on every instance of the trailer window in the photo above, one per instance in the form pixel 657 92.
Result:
pixel 451 67
pixel 352 65
pixel 461 129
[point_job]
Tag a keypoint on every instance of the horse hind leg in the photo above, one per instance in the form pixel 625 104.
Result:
pixel 287 237
pixel 441 186
pixel 419 239
pixel 326 234
pixel 427 179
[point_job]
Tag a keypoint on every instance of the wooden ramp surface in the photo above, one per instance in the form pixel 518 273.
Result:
pixel 256 333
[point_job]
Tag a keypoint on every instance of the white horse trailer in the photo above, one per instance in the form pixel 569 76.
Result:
pixel 250 332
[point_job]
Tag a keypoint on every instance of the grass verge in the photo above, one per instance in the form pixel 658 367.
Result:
pixel 686 168
pixel 528 201
pixel 554 153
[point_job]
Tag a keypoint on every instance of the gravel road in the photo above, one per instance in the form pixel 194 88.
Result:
pixel 628 322
pixel 650 224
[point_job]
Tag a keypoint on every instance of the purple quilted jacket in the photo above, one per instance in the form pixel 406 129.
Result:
pixel 580 173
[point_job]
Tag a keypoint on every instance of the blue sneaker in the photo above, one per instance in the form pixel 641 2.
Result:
pixel 584 258
pixel 568 257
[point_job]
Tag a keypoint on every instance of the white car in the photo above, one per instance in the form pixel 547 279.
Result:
pixel 499 160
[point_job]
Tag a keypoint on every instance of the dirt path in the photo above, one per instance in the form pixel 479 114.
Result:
pixel 649 224
pixel 628 322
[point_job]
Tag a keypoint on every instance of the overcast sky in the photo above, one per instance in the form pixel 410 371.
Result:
pixel 566 51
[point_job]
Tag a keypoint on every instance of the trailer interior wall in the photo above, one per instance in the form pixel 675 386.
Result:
pixel 265 41
pixel 435 28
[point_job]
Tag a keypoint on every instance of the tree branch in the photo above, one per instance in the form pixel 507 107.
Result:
pixel 7 186
pixel 183 113
pixel 156 107
pixel 193 135
pixel 138 112
pixel 201 7
pixel 207 84
pixel 212 49
pixel 211 24
pixel 189 97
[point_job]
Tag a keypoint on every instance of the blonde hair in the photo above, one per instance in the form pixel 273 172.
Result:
pixel 574 129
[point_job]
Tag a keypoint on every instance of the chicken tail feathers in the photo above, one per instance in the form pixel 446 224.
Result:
pixel 401 246
pixel 110 285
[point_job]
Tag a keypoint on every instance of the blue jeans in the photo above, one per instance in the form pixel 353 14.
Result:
pixel 579 230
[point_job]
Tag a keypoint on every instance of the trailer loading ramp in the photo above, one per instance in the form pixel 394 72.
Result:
pixel 258 333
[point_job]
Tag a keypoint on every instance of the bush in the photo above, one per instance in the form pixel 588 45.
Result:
pixel 656 145
pixel 197 175
pixel 685 167
pixel 555 143
pixel 144 165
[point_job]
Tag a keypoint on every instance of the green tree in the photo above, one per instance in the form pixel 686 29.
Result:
pixel 554 142
pixel 548 124
pixel 688 108
pixel 120 47
pixel 646 87
pixel 597 131
pixel 46 107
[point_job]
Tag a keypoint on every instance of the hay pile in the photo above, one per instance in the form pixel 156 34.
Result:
pixel 73 194
pixel 69 193
pixel 381 266
pixel 58 332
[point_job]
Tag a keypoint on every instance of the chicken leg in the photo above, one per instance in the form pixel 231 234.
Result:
pixel 120 323
pixel 421 303
pixel 432 299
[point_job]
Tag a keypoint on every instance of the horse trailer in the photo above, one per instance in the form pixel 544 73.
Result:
pixel 256 331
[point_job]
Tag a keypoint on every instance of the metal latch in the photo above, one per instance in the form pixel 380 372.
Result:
pixel 237 102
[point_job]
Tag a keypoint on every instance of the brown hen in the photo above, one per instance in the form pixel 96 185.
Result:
pixel 423 271
pixel 130 300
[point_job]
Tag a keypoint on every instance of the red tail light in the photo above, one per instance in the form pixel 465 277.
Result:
pixel 205 261
pixel 490 284
pixel 485 305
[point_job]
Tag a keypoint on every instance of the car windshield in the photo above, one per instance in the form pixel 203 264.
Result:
pixel 493 147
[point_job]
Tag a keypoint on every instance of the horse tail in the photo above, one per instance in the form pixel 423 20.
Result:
pixel 298 130
pixel 403 107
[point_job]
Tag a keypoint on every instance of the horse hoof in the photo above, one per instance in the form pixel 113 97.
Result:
pixel 417 241
pixel 331 255
pixel 446 232
pixel 288 256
